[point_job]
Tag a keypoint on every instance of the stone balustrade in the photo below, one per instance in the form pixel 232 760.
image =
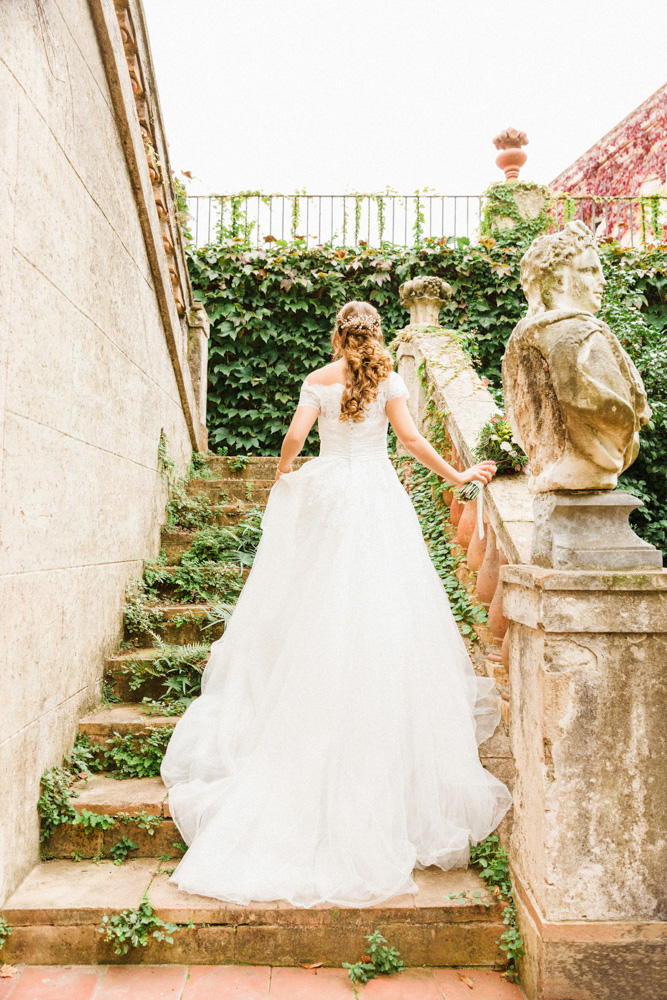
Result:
pixel 461 396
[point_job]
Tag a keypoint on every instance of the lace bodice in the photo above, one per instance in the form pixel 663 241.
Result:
pixel 348 438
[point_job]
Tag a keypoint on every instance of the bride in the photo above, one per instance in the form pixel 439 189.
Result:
pixel 334 745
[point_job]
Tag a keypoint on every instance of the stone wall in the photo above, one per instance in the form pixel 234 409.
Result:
pixel 91 371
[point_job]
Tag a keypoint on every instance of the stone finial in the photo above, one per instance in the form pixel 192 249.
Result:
pixel 511 157
pixel 510 138
pixel 424 297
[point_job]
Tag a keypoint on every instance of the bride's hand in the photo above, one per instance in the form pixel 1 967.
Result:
pixel 281 472
pixel 483 473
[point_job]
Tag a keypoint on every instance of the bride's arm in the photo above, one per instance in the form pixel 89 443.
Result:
pixel 424 452
pixel 294 440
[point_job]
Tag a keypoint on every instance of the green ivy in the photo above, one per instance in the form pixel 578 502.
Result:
pixel 140 616
pixel 380 959
pixel 272 311
pixel 500 203
pixel 132 928
pixel 491 857
pixel 136 755
pixel 425 490
pixel 54 806
pixel 120 851
pixel 5 931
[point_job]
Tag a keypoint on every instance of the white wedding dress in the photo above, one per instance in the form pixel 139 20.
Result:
pixel 334 745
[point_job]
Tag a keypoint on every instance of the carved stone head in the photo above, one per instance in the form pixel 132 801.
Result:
pixel 563 271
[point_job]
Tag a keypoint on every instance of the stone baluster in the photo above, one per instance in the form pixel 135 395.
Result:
pixel 466 525
pixel 477 547
pixel 455 511
pixel 487 578
pixel 497 621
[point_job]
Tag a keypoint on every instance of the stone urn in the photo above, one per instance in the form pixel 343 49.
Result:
pixel 511 157
pixel 424 297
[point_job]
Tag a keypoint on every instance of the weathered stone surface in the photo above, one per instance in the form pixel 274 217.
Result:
pixel 90 383
pixel 61 893
pixel 589 530
pixel 573 397
pixel 559 602
pixel 428 928
pixel 101 794
pixel 255 491
pixel 588 699
pixel 587 960
pixel 124 718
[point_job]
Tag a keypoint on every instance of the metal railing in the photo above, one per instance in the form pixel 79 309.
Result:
pixel 373 219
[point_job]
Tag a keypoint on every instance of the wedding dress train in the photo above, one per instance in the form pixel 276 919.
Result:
pixel 334 745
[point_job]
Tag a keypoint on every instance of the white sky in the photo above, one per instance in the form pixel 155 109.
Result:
pixel 356 95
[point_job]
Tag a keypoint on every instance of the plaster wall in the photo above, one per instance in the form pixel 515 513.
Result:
pixel 86 385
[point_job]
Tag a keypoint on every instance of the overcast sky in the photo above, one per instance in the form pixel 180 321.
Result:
pixel 358 95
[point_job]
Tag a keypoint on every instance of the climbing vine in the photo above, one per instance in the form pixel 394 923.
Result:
pixel 491 858
pixel 272 311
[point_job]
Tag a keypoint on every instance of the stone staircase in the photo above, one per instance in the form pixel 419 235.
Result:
pixel 55 913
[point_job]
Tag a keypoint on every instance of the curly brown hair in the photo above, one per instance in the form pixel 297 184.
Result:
pixel 357 337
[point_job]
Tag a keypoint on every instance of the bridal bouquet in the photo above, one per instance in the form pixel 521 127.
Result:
pixel 495 443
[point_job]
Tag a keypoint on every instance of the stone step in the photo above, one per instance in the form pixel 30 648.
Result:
pixel 176 541
pixel 119 681
pixel 213 572
pixel 252 491
pixel 129 797
pixel 55 912
pixel 182 624
pixel 123 718
pixel 257 467
pixel 233 512
pixel 108 796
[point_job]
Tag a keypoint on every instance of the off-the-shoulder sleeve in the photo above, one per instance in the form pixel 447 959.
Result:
pixel 397 387
pixel 308 395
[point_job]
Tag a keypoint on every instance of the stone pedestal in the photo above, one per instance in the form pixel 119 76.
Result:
pixel 588 703
pixel 589 530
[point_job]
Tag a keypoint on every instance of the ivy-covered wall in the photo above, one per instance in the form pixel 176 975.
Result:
pixel 272 310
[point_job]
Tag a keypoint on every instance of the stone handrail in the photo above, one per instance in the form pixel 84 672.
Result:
pixel 462 398
pixel 461 395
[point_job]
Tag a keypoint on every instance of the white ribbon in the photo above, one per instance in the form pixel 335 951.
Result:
pixel 480 510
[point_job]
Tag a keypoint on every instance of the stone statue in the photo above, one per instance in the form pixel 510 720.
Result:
pixel 573 397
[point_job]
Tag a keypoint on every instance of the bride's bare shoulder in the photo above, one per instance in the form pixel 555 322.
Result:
pixel 328 374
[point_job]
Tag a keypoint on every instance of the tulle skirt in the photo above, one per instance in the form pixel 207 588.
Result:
pixel 334 746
